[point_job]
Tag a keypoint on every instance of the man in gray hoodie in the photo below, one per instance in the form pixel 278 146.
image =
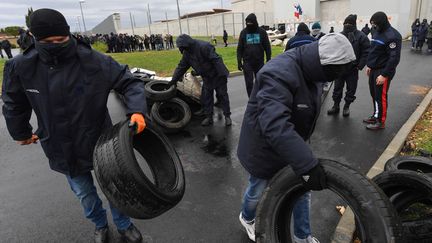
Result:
pixel 280 118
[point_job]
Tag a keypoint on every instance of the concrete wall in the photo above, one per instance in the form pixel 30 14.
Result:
pixel 284 10
pixel 252 6
pixel 108 25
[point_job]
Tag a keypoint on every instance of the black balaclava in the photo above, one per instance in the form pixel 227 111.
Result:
pixel 380 20
pixel 302 27
pixel 350 24
pixel 184 42
pixel 424 22
pixel 251 23
pixel 48 22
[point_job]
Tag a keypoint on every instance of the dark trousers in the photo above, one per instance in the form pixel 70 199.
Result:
pixel 351 80
pixel 420 44
pixel 218 84
pixel 429 43
pixel 250 71
pixel 379 94
pixel 8 52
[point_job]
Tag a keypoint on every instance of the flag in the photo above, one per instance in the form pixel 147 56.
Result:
pixel 298 10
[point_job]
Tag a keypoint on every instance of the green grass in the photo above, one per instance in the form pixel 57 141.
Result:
pixel 164 62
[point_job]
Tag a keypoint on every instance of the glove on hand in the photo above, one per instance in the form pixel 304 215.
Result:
pixel 138 120
pixel 315 179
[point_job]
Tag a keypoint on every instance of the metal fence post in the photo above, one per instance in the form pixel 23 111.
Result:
pixel 233 25
pixel 206 25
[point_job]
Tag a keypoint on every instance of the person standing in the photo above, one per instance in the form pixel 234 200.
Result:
pixel 429 38
pixel 360 44
pixel 225 38
pixel 414 28
pixel 280 117
pixel 421 34
pixel 302 37
pixel 366 30
pixel 331 30
pixel 6 45
pixel 316 31
pixel 66 84
pixel 253 43
pixel 383 58
pixel 202 57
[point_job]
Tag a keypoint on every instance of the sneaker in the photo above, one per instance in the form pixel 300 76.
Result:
pixel 375 126
pixel 249 226
pixel 334 110
pixel 370 120
pixel 101 235
pixel 207 122
pixel 131 234
pixel 228 121
pixel 346 111
pixel 310 239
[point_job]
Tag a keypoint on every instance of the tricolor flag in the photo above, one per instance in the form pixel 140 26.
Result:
pixel 298 10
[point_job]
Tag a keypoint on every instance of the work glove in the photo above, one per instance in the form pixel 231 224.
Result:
pixel 240 66
pixel 137 120
pixel 315 179
pixel 172 83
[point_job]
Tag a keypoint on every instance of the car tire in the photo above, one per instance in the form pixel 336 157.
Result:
pixel 158 90
pixel 376 217
pixel 172 115
pixel 123 181
pixel 415 163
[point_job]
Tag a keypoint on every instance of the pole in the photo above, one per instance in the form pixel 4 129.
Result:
pixel 130 15
pixel 149 14
pixel 166 19
pixel 187 21
pixel 178 12
pixel 207 26
pixel 148 22
pixel 82 14
pixel 133 16
pixel 233 25
pixel 222 4
pixel 223 22
pixel 79 24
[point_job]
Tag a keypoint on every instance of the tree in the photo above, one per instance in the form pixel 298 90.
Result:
pixel 27 17
pixel 12 30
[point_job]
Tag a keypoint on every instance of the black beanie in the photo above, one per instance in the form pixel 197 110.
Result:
pixel 351 19
pixel 48 22
pixel 303 27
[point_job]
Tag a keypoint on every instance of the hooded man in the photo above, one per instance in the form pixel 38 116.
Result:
pixel 280 118
pixel 360 44
pixel 67 84
pixel 202 57
pixel 302 37
pixel 421 34
pixel 252 44
pixel 414 28
pixel 316 31
pixel 383 58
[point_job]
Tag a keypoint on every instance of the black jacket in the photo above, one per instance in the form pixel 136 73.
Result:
pixel 300 38
pixel 385 51
pixel 202 57
pixel 69 100
pixel 281 113
pixel 252 44
pixel 360 43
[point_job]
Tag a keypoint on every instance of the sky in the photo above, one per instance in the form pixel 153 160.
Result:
pixel 95 11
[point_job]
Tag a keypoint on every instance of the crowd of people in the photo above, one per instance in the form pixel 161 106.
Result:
pixel 421 33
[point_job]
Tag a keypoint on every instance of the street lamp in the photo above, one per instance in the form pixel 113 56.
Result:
pixel 82 14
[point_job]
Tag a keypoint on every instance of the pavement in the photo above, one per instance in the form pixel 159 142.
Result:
pixel 36 204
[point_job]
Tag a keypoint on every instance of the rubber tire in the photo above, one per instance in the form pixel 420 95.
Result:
pixel 396 181
pixel 124 183
pixel 176 124
pixel 154 90
pixel 415 163
pixel 378 219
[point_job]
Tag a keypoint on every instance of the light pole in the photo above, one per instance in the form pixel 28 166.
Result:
pixel 82 14
pixel 79 24
pixel 178 12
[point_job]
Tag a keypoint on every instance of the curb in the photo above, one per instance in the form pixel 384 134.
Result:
pixel 346 226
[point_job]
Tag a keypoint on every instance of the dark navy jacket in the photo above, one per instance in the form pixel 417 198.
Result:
pixel 69 100
pixel 252 46
pixel 361 44
pixel 202 57
pixel 422 32
pixel 300 38
pixel 385 51
pixel 281 113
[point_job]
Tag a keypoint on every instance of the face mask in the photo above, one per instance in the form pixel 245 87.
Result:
pixel 182 49
pixel 55 51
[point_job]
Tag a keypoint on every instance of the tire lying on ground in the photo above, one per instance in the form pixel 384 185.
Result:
pixel 171 115
pixel 412 187
pixel 415 163
pixel 158 90
pixel 375 216
pixel 123 181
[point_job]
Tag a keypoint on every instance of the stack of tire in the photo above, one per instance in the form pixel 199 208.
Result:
pixel 407 182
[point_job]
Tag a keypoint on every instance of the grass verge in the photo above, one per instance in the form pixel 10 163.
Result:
pixel 419 141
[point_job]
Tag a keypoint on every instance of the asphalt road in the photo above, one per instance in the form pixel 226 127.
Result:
pixel 36 204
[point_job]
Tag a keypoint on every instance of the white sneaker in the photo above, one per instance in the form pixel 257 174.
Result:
pixel 250 227
pixel 310 239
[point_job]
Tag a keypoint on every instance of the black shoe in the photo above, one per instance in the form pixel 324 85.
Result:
pixel 376 126
pixel 228 121
pixel 370 120
pixel 131 234
pixel 101 235
pixel 346 111
pixel 334 110
pixel 207 122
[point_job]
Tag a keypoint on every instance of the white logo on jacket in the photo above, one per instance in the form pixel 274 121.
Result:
pixel 33 91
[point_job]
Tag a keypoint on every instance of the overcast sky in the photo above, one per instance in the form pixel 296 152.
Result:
pixel 13 12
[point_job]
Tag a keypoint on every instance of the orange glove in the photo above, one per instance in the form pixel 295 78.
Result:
pixel 31 140
pixel 138 120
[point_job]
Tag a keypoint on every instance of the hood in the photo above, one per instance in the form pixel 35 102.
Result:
pixel 184 41
pixel 252 19
pixel 381 21
pixel 335 49
pixel 303 28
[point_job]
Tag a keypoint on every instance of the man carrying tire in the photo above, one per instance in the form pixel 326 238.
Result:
pixel 67 84
pixel 280 117
pixel 202 57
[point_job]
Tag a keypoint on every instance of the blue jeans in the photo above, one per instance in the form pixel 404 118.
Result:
pixel 84 189
pixel 253 194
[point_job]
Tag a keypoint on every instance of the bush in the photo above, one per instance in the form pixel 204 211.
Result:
pixel 100 47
